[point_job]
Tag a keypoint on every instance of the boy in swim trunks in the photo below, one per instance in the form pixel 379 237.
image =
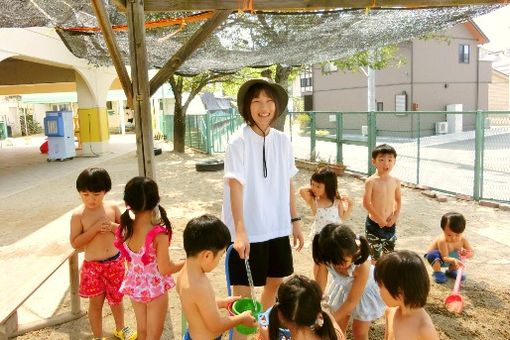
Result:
pixel 382 199
pixel 205 240
pixel 448 247
pixel 92 229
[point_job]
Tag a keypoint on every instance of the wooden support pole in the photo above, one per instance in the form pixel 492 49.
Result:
pixel 120 4
pixel 187 49
pixel 74 284
pixel 9 326
pixel 141 98
pixel 114 50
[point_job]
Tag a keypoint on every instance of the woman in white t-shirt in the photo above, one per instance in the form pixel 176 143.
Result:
pixel 259 203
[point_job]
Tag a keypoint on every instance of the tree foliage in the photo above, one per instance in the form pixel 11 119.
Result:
pixel 383 57
pixel 437 36
pixel 267 32
pixel 193 85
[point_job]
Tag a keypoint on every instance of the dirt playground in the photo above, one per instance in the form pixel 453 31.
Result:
pixel 187 193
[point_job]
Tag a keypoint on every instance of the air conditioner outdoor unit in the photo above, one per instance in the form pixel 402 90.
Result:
pixel 364 130
pixel 487 123
pixel 441 128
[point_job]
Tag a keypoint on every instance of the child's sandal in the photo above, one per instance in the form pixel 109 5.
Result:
pixel 125 333
pixel 439 277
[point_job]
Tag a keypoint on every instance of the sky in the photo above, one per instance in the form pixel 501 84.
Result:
pixel 496 26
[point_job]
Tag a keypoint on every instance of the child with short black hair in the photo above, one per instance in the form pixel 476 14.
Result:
pixel 205 240
pixel 404 286
pixel 447 249
pixel 206 232
pixel 92 229
pixel 382 200
pixel 299 309
pixel 353 292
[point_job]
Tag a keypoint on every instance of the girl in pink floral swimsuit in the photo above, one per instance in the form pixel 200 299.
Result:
pixel 143 239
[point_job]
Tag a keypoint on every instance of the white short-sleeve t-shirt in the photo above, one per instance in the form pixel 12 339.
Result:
pixel 266 200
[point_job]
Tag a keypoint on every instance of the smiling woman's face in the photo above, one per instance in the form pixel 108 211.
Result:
pixel 262 110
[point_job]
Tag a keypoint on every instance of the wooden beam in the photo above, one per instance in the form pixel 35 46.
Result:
pixel 187 49
pixel 141 98
pixel 114 50
pixel 120 4
pixel 296 5
pixel 44 323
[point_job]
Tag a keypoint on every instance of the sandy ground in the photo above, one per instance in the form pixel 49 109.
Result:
pixel 187 193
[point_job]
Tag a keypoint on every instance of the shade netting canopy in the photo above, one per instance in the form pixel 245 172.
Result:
pixel 258 38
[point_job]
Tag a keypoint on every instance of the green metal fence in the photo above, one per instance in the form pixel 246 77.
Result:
pixel 3 130
pixel 455 152
pixel 208 132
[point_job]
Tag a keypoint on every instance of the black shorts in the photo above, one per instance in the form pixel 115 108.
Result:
pixel 373 228
pixel 271 258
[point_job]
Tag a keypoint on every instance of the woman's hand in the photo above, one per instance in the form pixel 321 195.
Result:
pixel 297 235
pixel 242 245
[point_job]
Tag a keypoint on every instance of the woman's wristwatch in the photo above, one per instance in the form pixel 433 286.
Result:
pixel 295 219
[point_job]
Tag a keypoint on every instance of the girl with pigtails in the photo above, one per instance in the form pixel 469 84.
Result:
pixel 299 309
pixel 143 238
pixel 353 292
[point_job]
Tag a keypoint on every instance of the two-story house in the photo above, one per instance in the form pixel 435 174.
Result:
pixel 437 74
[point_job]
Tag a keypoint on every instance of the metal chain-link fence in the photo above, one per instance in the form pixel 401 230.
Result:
pixel 207 132
pixel 455 152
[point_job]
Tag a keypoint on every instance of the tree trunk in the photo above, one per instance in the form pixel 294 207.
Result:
pixel 180 108
pixel 179 114
pixel 179 128
pixel 282 77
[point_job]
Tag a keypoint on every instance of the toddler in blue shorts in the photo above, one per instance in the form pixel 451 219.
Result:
pixel 448 248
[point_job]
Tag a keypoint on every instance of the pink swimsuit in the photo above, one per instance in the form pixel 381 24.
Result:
pixel 143 282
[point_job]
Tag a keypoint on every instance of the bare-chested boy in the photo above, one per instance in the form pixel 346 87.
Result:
pixel 404 286
pixel 92 229
pixel 382 199
pixel 448 247
pixel 205 240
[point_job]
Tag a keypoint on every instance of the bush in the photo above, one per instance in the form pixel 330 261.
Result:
pixel 321 133
pixel 32 126
pixel 303 120
pixel 298 104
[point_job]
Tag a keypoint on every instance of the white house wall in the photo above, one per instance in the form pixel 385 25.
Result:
pixel 499 92
pixel 432 78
